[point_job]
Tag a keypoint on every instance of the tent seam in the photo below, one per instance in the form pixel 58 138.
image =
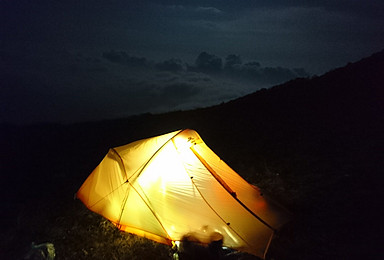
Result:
pixel 153 155
pixel 153 212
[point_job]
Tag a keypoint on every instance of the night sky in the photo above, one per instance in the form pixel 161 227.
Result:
pixel 70 61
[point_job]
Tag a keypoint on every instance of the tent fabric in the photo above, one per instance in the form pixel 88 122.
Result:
pixel 172 185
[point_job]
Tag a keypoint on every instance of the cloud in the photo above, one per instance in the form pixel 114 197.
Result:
pixel 277 32
pixel 192 12
pixel 184 90
pixel 209 10
pixel 193 78
pixel 267 75
pixel 251 71
pixel 209 63
pixel 77 87
pixel 179 93
pixel 121 57
pixel 174 65
pixel 232 61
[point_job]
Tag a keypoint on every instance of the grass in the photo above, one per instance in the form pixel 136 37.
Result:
pixel 76 233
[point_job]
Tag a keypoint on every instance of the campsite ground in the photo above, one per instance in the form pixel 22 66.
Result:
pixel 314 145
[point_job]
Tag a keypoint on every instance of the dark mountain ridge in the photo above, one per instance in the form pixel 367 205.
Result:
pixel 315 145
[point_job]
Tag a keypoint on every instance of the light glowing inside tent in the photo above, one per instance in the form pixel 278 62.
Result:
pixel 163 171
pixel 168 186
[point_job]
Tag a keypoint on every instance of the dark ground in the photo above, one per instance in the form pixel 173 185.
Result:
pixel 315 145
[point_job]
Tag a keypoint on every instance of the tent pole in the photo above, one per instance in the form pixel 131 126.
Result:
pixel 227 188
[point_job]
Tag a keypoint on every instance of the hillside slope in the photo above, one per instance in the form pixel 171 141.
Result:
pixel 322 140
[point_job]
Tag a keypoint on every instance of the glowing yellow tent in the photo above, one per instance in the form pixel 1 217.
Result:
pixel 171 185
